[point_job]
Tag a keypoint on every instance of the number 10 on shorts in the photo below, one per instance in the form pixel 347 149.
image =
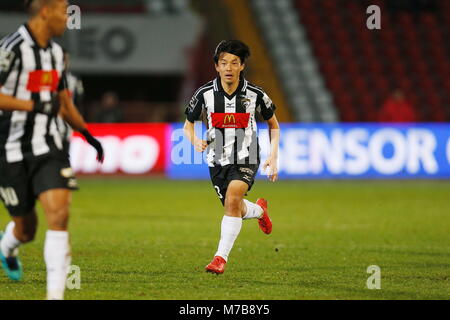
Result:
pixel 9 196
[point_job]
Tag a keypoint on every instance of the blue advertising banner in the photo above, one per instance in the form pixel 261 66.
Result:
pixel 335 151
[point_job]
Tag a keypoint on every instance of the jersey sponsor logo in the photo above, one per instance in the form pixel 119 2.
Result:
pixel 230 120
pixel 41 80
pixel 6 58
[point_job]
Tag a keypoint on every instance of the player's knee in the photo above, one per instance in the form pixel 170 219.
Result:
pixel 26 237
pixel 25 228
pixel 26 234
pixel 233 205
pixel 58 219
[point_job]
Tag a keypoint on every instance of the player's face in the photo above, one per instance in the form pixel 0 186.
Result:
pixel 57 17
pixel 229 68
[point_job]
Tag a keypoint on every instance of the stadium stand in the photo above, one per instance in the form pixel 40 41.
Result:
pixel 156 7
pixel 362 67
pixel 296 65
pixel 260 68
pixel 329 66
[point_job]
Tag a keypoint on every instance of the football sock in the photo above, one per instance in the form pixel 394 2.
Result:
pixel 57 259
pixel 253 210
pixel 231 226
pixel 9 243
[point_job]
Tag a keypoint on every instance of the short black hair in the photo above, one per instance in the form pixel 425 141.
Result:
pixel 34 9
pixel 236 47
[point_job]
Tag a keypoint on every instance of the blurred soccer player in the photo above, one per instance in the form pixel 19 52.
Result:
pixel 33 165
pixel 230 103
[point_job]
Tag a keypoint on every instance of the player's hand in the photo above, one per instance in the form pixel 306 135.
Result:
pixel 49 108
pixel 95 143
pixel 270 166
pixel 200 145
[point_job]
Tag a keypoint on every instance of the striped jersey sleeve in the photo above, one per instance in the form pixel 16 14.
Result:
pixel 8 56
pixel 194 110
pixel 264 104
pixel 197 103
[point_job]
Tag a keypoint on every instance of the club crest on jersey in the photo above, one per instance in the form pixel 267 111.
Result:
pixel 6 58
pixel 230 120
pixel 41 80
pixel 246 102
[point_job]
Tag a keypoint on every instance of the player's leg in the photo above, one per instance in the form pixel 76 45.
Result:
pixel 232 220
pixel 56 204
pixel 53 182
pixel 258 210
pixel 18 198
pixel 250 210
pixel 57 253
pixel 20 230
pixel 230 226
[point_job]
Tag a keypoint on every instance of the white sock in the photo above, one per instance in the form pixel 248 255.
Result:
pixel 231 226
pixel 57 259
pixel 9 244
pixel 253 210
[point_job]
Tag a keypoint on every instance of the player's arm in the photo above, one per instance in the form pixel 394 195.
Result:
pixel 272 160
pixel 70 113
pixel 189 131
pixel 73 117
pixel 193 112
pixel 9 103
pixel 268 114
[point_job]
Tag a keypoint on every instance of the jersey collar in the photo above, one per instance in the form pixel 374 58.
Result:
pixel 29 37
pixel 241 87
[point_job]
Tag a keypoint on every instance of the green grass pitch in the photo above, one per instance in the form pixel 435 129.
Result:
pixel 151 239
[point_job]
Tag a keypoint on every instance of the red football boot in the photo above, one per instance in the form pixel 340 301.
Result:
pixel 216 266
pixel 265 224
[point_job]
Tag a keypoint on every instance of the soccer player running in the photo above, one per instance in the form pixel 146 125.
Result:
pixel 230 104
pixel 33 165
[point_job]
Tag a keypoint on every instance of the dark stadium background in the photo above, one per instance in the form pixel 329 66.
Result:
pixel 410 52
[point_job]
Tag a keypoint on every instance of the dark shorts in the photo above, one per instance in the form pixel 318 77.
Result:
pixel 222 176
pixel 21 183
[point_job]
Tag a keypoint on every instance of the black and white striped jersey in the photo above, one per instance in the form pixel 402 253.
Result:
pixel 231 121
pixel 28 72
